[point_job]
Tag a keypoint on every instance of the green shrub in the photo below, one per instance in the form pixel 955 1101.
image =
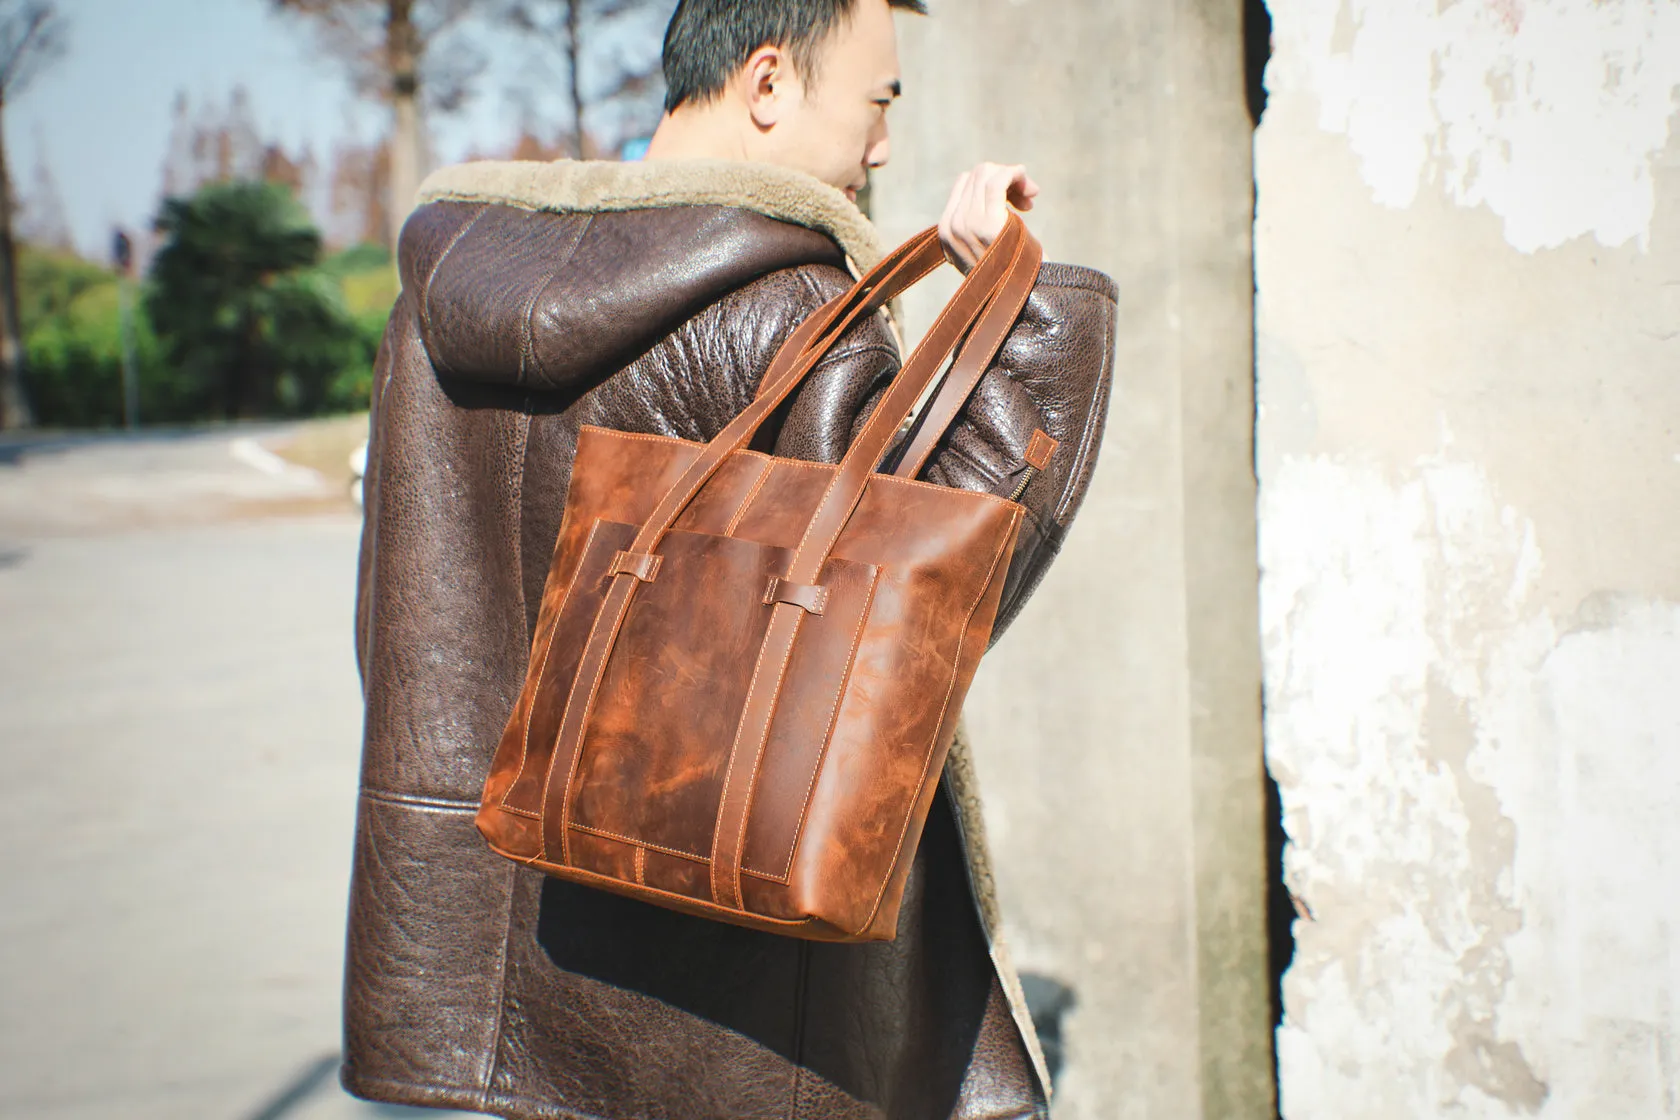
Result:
pixel 240 304
pixel 240 317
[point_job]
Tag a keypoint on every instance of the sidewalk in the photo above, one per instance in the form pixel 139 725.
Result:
pixel 179 740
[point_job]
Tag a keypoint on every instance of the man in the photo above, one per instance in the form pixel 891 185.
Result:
pixel 651 297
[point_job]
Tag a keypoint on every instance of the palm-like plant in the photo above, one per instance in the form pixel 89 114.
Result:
pixel 236 304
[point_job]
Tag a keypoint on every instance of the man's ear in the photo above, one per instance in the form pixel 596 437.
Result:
pixel 767 81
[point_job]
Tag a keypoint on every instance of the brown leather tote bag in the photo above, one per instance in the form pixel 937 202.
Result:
pixel 747 670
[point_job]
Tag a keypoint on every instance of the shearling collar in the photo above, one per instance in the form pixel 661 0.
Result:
pixel 569 186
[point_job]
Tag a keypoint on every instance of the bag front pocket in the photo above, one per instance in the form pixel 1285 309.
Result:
pixel 663 728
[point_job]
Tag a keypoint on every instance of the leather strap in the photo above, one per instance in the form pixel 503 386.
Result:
pixel 643 565
pixel 915 253
pixel 948 400
pixel 808 597
pixel 971 365
pixel 988 302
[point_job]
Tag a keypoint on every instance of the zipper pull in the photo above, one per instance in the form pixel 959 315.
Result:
pixel 1040 449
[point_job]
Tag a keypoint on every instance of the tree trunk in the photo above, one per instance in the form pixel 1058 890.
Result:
pixel 14 401
pixel 573 53
pixel 402 57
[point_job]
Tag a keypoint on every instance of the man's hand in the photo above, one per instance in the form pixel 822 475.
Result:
pixel 979 207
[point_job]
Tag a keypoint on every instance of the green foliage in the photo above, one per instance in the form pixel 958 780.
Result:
pixel 73 345
pixel 358 259
pixel 240 317
pixel 49 282
pixel 235 300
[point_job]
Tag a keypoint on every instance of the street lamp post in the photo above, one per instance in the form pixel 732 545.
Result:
pixel 122 253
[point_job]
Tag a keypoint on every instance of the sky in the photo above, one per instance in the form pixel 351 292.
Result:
pixel 100 116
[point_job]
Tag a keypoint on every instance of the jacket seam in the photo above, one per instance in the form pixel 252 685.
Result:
pixel 431 273
pixel 511 877
pixel 1095 420
pixel 802 995
pixel 420 801
pixel 526 346
pixel 512 873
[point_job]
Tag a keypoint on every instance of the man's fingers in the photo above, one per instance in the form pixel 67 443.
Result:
pixel 948 220
pixel 1022 191
pixel 971 216
pixel 998 187
pixel 953 205
pixel 978 208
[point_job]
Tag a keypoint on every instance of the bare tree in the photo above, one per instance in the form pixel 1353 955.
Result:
pixel 403 52
pixel 569 28
pixel 40 218
pixel 31 37
pixel 358 186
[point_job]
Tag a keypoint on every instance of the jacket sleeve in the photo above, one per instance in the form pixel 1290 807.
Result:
pixel 1052 374
pixel 401 323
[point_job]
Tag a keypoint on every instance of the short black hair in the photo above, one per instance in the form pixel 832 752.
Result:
pixel 708 41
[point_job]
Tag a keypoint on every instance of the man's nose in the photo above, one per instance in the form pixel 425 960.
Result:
pixel 879 153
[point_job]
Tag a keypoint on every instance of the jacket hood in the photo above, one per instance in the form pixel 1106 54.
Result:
pixel 534 273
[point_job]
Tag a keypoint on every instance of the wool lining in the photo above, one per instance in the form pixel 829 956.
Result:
pixel 596 186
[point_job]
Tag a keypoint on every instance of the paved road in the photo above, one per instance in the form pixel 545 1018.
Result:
pixel 179 731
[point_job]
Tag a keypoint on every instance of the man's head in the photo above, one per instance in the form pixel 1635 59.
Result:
pixel 801 83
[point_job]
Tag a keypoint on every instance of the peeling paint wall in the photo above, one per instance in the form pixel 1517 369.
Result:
pixel 1468 270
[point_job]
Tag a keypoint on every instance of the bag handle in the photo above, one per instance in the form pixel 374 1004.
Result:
pixel 940 412
pixel 914 260
pixel 971 365
pixel 984 309
pixel 910 262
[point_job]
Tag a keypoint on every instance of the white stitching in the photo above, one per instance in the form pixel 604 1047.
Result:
pixel 758 760
pixel 746 503
pixel 581 874
pixel 689 856
pixel 956 665
pixel 604 834
pixel 577 757
pixel 833 717
pixel 525 741
pixel 877 477
pixel 734 750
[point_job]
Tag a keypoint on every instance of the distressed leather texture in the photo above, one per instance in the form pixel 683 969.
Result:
pixel 475 983
pixel 749 723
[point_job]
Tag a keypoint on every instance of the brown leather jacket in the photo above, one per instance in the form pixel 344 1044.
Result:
pixel 536 299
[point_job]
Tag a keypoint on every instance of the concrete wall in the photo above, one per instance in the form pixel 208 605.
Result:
pixel 1468 248
pixel 1117 726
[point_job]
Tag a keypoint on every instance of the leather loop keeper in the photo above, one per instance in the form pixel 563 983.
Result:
pixel 811 599
pixel 1040 448
pixel 643 565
